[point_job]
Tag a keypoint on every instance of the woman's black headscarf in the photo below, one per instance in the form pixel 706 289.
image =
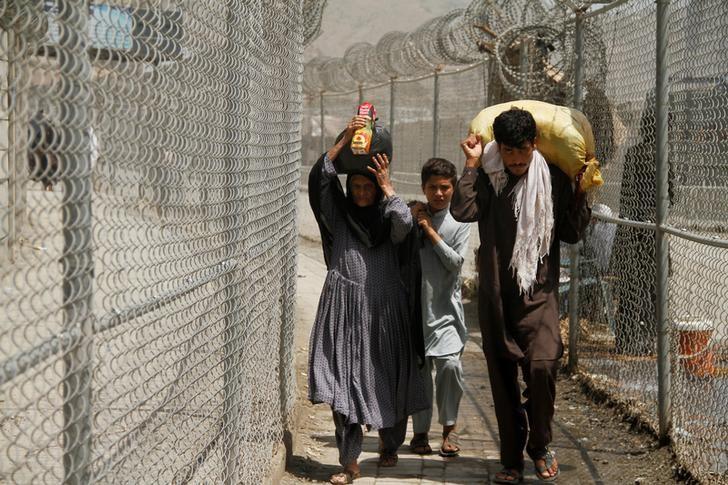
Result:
pixel 367 223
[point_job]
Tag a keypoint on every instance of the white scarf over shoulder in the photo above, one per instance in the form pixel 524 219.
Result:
pixel 533 209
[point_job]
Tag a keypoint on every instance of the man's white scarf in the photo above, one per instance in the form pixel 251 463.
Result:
pixel 533 208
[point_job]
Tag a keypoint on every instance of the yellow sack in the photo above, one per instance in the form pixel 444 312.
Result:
pixel 565 137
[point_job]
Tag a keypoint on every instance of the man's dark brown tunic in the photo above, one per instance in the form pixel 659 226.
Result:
pixel 517 325
pixel 519 329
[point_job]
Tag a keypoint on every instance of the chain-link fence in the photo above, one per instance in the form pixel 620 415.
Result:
pixel 649 322
pixel 677 156
pixel 150 161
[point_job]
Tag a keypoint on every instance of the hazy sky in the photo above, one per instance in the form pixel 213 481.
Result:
pixel 346 22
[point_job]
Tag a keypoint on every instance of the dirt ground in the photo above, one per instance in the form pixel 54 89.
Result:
pixel 593 442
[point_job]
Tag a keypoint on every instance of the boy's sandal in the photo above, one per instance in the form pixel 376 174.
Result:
pixel 508 475
pixel 543 471
pixel 454 451
pixel 346 476
pixel 420 445
pixel 388 459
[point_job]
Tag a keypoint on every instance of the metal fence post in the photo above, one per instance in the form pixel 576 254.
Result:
pixel 321 121
pixel 9 122
pixel 391 109
pixel 574 282
pixel 436 113
pixel 523 54
pixel 17 195
pixel 485 83
pixel 663 204
pixel 491 75
pixel 77 259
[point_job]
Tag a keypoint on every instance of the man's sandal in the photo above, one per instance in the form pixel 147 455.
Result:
pixel 388 459
pixel 344 477
pixel 420 445
pixel 508 475
pixel 543 472
pixel 454 451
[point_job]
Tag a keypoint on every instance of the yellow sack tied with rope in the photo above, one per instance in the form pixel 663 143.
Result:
pixel 564 137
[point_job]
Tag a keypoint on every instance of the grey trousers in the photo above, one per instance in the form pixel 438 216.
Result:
pixel 449 390
pixel 349 438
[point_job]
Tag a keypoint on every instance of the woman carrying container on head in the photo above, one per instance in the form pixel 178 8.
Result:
pixel 362 361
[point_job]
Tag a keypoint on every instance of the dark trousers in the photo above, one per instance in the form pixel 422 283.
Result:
pixel 522 423
pixel 349 438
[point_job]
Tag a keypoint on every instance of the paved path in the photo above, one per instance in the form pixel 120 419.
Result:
pixel 315 455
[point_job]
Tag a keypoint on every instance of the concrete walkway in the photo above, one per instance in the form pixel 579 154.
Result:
pixel 315 455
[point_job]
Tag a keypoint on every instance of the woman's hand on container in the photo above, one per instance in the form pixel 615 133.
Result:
pixel 356 123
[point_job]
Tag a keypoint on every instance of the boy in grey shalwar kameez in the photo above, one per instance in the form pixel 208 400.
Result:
pixel 362 360
pixel 442 253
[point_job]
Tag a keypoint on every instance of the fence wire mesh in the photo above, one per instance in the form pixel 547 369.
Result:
pixel 618 338
pixel 698 141
pixel 412 134
pixel 150 160
pixel 381 93
pixel 618 291
pixel 337 111
pixel 458 93
pixel 699 115
pixel 311 144
pixel 618 341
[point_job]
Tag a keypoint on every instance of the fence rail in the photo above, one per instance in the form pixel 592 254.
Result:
pixel 648 313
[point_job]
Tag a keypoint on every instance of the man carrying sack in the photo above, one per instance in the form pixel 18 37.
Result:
pixel 524 208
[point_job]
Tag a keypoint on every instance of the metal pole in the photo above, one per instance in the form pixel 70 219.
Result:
pixel 436 113
pixel 663 204
pixel 391 109
pixel 13 182
pixel 523 52
pixel 485 84
pixel 321 122
pixel 361 93
pixel 573 362
pixel 17 143
pixel 491 76
pixel 77 258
